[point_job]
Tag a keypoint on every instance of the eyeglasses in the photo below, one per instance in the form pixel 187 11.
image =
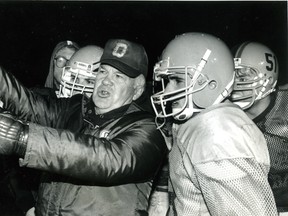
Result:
pixel 60 61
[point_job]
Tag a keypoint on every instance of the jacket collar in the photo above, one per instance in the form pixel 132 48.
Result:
pixel 98 119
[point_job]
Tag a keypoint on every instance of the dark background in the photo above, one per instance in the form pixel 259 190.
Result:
pixel 30 30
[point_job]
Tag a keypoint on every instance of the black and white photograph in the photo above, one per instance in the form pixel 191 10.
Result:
pixel 143 108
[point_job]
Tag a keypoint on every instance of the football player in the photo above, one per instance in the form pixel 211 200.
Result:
pixel 255 91
pixel 78 76
pixel 219 161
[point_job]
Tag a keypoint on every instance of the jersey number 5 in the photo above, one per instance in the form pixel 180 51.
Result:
pixel 272 63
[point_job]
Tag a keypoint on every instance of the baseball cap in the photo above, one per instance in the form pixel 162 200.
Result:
pixel 128 57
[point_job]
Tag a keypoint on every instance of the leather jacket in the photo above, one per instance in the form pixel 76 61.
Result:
pixel 89 169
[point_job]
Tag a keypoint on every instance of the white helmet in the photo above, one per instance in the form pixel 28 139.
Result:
pixel 78 76
pixel 256 70
pixel 207 64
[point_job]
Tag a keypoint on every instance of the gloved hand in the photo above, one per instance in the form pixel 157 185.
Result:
pixel 13 135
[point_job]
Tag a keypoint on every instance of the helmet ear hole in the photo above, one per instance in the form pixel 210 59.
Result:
pixel 212 85
pixel 211 90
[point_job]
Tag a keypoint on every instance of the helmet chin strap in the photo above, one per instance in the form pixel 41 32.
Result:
pixel 185 113
pixel 243 105
pixel 227 91
pixel 188 111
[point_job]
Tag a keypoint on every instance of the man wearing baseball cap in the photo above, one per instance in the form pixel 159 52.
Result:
pixel 128 57
pixel 99 154
pixel 121 77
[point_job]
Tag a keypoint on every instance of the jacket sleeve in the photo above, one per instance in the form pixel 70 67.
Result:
pixel 26 104
pixel 133 155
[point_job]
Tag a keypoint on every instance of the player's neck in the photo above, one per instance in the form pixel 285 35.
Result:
pixel 258 107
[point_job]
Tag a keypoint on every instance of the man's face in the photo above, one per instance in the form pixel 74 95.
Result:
pixel 243 75
pixel 176 82
pixel 60 60
pixel 113 89
pixel 77 81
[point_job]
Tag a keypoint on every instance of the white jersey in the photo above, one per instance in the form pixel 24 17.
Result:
pixel 219 165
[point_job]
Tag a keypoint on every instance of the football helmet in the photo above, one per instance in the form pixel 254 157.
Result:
pixel 207 65
pixel 78 76
pixel 256 73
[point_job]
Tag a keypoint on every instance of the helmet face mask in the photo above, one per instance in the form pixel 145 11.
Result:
pixel 203 66
pixel 178 102
pixel 246 86
pixel 78 80
pixel 256 69
pixel 78 76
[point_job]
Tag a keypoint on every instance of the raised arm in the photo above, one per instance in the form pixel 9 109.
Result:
pixel 26 104
pixel 129 153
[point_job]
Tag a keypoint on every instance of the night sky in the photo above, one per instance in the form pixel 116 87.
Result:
pixel 30 30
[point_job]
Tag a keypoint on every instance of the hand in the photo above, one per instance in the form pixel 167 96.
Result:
pixel 159 204
pixel 13 135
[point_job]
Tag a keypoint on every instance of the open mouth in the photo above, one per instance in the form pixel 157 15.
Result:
pixel 103 93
